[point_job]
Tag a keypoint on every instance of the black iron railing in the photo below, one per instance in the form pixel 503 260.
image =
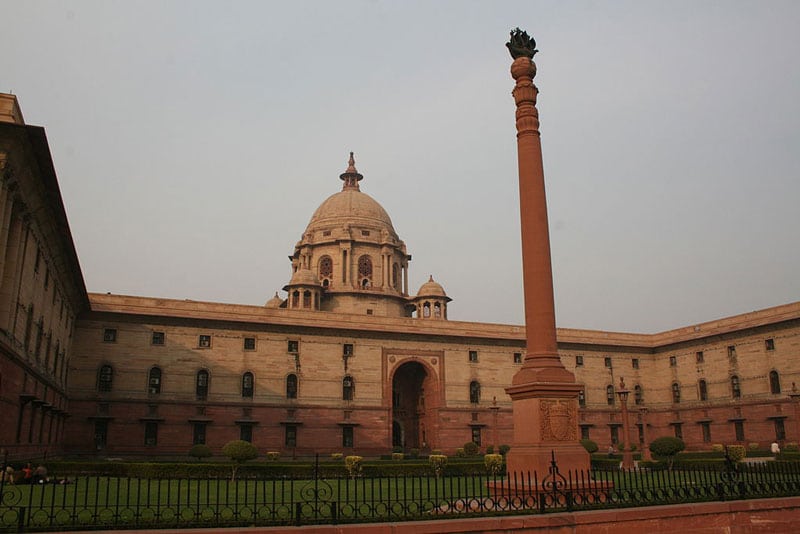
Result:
pixel 91 502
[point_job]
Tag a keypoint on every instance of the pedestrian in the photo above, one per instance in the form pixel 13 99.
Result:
pixel 775 449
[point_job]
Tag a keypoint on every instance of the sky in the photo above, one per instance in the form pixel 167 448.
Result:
pixel 193 141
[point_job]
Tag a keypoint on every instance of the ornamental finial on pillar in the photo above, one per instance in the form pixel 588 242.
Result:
pixel 521 44
pixel 351 177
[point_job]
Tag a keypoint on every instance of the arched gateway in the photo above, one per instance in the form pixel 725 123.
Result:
pixel 414 406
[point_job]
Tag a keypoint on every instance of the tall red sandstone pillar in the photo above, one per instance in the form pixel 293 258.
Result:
pixel 544 394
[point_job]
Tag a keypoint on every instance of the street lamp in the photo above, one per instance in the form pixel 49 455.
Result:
pixel 627 457
pixel 795 396
pixel 645 448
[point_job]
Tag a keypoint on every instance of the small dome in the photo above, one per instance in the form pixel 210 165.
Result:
pixel 303 277
pixel 274 302
pixel 431 289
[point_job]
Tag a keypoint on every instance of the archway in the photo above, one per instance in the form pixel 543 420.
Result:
pixel 414 403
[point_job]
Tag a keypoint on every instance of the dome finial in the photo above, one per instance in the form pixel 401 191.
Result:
pixel 351 177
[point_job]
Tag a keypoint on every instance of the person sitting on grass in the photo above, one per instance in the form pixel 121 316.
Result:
pixel 40 474
pixel 27 474
pixel 8 475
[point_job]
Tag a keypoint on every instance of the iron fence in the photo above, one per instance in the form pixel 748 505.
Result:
pixel 92 502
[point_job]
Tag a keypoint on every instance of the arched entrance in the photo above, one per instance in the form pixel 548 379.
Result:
pixel 414 402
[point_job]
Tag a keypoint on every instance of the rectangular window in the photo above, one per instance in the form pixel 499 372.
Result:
pixel 158 338
pixel 151 434
pixel 769 344
pixel 249 343
pixel 585 432
pixel 199 434
pixel 731 351
pixel 517 357
pixel 290 436
pixel 578 361
pixel 365 233
pixel 293 346
pixel 476 435
pixel 100 434
pixel 347 436
pixel 673 361
pixel 473 356
pixel 640 428
pixel 110 335
pixel 780 430
pixel 246 433
pixel 204 341
pixel 635 363
pixel 678 430
pixel 347 349
pixel 706 432
pixel 614 434
pixel 698 356
pixel 738 427
pixel 326 233
pixel 607 362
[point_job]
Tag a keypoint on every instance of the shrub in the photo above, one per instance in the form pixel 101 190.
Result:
pixel 490 449
pixel 437 462
pixel 736 452
pixel 471 449
pixel 752 446
pixel 353 465
pixel 460 453
pixel 397 449
pixel 436 451
pixel 589 445
pixel 398 456
pixel 200 451
pixel 413 453
pixel 494 463
pixel 718 447
pixel 239 451
pixel 339 455
pixel 791 447
pixel 504 449
pixel 667 447
pixel 273 456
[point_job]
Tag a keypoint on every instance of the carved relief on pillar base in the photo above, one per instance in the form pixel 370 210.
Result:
pixel 558 420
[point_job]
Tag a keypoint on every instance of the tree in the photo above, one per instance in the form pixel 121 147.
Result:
pixel 667 447
pixel 589 445
pixel 200 451
pixel 239 452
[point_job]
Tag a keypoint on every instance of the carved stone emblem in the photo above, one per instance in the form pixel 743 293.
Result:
pixel 559 420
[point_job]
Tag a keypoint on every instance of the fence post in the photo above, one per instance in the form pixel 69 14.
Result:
pixel 298 511
pixel 21 519
pixel 334 512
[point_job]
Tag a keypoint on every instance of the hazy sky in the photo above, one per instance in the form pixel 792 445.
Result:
pixel 193 141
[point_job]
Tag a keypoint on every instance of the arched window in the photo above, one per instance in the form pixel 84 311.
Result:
pixel 638 397
pixel 306 298
pixel 736 391
pixel 702 388
pixel 247 385
pixel 774 382
pixel 365 271
pixel 348 388
pixel 154 381
pixel 474 392
pixel 582 398
pixel 676 392
pixel 426 309
pixel 295 299
pixel 291 386
pixel 201 384
pixel 610 394
pixel 105 376
pixel 437 310
pixel 325 269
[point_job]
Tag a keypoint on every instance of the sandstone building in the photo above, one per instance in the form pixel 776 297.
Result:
pixel 348 359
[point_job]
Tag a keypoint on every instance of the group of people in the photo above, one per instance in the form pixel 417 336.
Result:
pixel 26 475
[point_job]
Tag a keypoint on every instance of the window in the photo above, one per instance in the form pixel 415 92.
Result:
pixel 676 393
pixel 582 399
pixel 635 363
pixel 698 356
pixel 473 356
pixel 151 434
pixel 325 268
pixel 154 381
pixel 246 432
pixel 249 343
pixel 638 397
pixel 584 432
pixel 738 429
pixel 348 388
pixel 769 344
pixel 292 346
pixel 290 436
pixel 247 385
pixel 201 384
pixel 578 361
pixel 774 382
pixel 395 276
pixel 476 435
pixel 607 362
pixel 104 378
pixel 732 352
pixel 673 361
pixel 678 428
pixel 610 395
pixel 326 233
pixel 614 434
pixel 736 391
pixel 706 427
pixel 365 233
pixel 100 434
pixel 291 387
pixel 474 392
pixel 702 388
pixel 347 349
pixel 199 434
pixel 780 430
pixel 158 338
pixel 110 335
pixel 204 341
pixel 365 271
pixel 347 436
pixel 517 357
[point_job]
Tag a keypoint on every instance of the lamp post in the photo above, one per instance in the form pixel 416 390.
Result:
pixel 495 408
pixel 627 457
pixel 645 448
pixel 795 396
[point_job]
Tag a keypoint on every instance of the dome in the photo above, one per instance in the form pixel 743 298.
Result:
pixel 274 302
pixel 431 289
pixel 303 277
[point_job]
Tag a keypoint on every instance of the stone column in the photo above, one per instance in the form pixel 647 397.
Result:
pixel 544 394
